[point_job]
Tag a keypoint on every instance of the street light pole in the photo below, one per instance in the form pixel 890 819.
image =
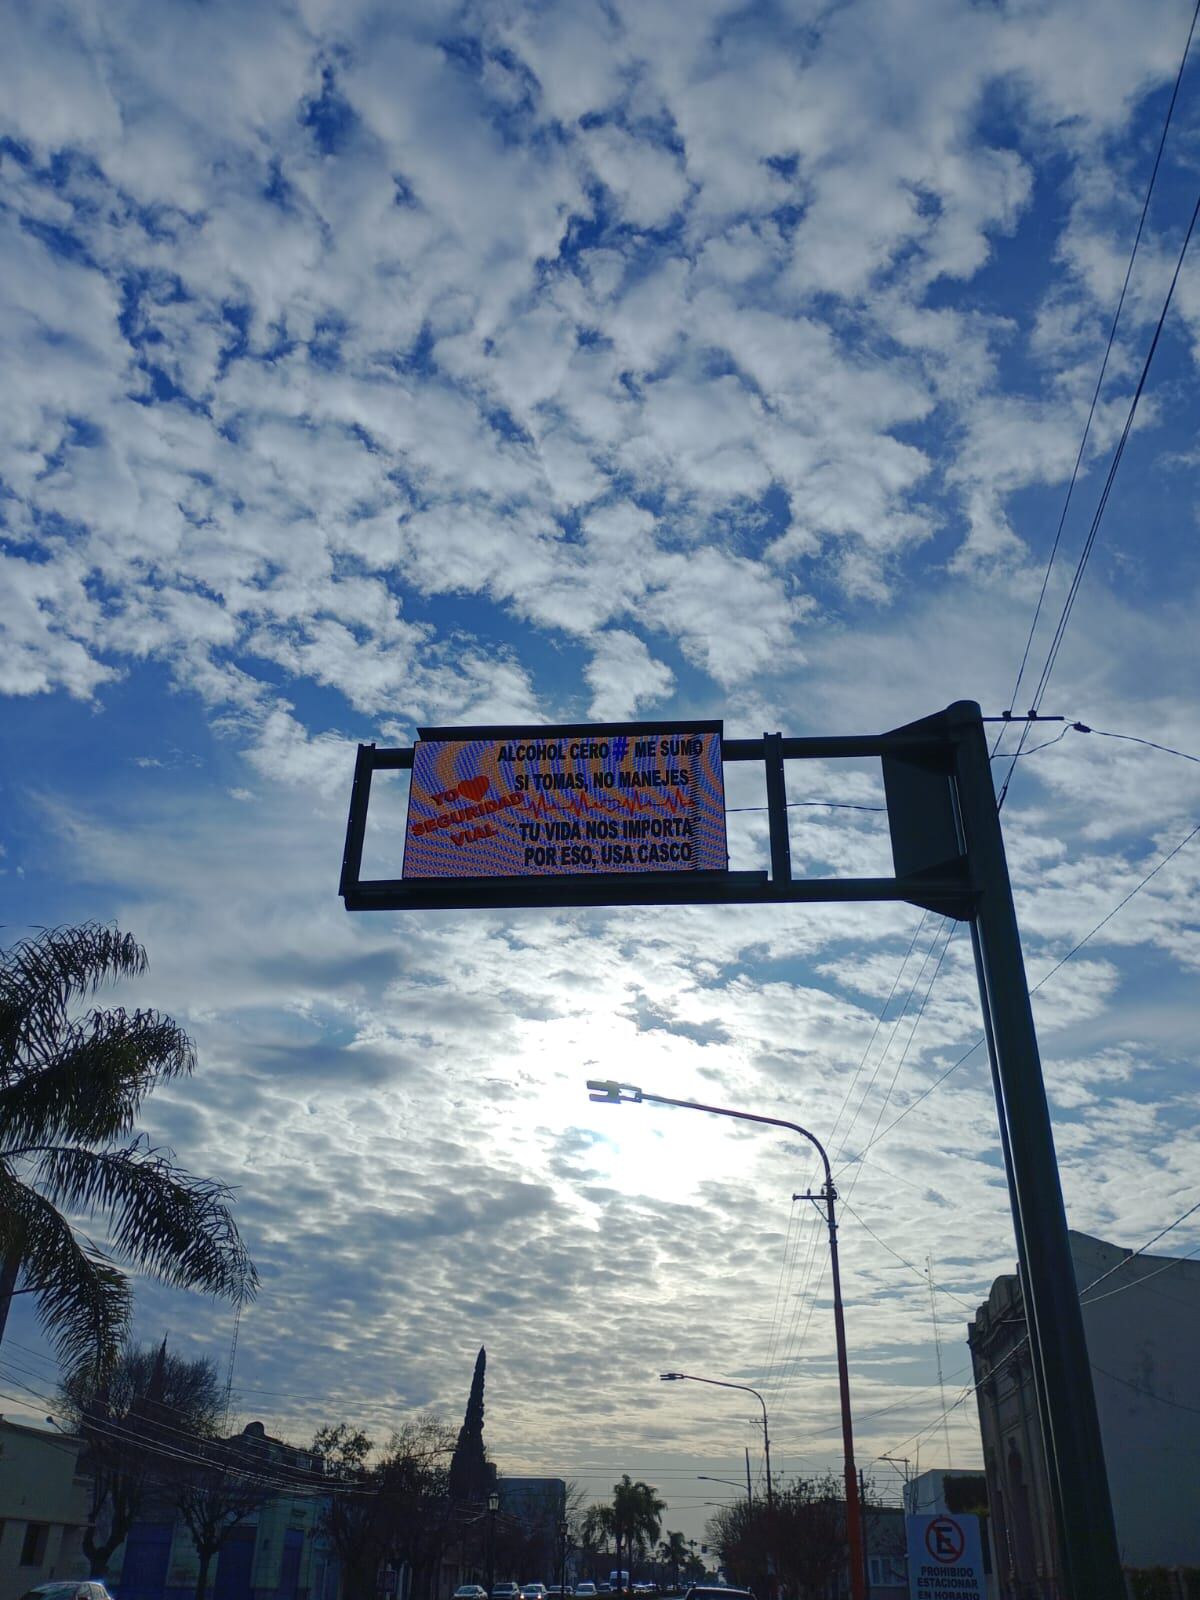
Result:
pixel 703 1477
pixel 615 1093
pixel 720 1383
pixel 493 1505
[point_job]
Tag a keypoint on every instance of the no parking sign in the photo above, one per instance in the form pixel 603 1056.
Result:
pixel 945 1558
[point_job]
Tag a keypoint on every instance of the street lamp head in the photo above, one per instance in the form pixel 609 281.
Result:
pixel 612 1092
pixel 493 1502
pixel 670 1377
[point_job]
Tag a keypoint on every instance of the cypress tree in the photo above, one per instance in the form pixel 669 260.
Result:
pixel 469 1478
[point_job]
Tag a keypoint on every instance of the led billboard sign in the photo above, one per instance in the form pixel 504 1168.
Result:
pixel 548 802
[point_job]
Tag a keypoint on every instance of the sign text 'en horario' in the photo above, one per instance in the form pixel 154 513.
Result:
pixel 543 802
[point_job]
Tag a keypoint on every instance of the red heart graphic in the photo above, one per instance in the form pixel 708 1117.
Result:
pixel 474 788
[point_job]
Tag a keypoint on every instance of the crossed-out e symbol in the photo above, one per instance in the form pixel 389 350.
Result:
pixel 944 1539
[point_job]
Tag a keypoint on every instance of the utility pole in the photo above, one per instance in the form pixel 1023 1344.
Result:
pixel 749 1490
pixel 862 1500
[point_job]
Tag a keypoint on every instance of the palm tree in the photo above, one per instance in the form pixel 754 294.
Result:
pixel 70 1089
pixel 636 1518
pixel 595 1531
pixel 673 1552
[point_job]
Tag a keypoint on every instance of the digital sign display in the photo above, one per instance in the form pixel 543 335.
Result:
pixel 549 802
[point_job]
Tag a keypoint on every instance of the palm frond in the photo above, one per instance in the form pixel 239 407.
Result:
pixel 84 1301
pixel 92 1085
pixel 162 1219
pixel 41 978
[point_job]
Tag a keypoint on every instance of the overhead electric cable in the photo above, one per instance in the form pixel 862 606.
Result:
pixel 1045 978
pixel 1112 332
pixel 904 1261
pixel 1024 1340
pixel 815 1237
pixel 1088 544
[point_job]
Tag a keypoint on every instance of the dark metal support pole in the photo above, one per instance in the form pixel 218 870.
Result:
pixel 997 1090
pixel 749 1490
pixel 1074 1448
pixel 777 817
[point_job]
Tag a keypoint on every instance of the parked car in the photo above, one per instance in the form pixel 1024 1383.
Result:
pixel 585 1588
pixel 470 1591
pixel 559 1591
pixel 533 1591
pixel 82 1589
pixel 505 1591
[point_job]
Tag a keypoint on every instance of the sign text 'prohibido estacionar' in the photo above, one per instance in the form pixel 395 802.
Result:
pixel 544 802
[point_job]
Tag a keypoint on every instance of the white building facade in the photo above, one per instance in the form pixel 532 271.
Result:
pixel 1142 1322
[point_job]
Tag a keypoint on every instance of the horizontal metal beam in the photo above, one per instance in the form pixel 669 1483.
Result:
pixel 814 749
pixel 949 896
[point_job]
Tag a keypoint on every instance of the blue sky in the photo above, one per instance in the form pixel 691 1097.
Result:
pixel 376 366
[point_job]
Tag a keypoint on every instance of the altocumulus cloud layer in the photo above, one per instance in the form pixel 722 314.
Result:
pixel 370 366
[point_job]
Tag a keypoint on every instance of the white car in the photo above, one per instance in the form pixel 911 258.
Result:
pixel 584 1589
pixel 470 1591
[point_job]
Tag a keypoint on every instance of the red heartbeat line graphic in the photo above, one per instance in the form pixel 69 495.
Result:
pixel 579 803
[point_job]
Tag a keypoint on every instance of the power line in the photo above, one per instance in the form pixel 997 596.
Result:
pixel 793 805
pixel 1089 542
pixel 1074 950
pixel 1124 1262
pixel 1138 1388
pixel 781 1345
pixel 903 1260
pixel 1112 332
pixel 1100 733
pixel 1024 1340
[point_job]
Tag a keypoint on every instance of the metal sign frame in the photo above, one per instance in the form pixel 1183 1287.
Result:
pixel 946 892
pixel 948 851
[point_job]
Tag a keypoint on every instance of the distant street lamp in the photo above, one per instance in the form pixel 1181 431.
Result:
pixel 615 1093
pixel 493 1505
pixel 720 1383
pixel 733 1483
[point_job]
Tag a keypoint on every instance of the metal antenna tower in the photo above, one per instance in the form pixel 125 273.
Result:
pixel 937 1344
pixel 237 1322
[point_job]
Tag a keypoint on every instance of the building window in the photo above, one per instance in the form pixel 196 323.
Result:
pixel 889 1570
pixel 33 1549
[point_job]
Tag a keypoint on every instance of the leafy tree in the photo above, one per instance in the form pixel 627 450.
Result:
pixel 71 1087
pixel 416 1483
pixel 356 1520
pixel 394 1508
pixel 152 1404
pixel 212 1496
pixel 470 1479
pixel 806 1534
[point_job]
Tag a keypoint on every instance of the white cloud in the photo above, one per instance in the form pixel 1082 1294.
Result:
pixel 624 677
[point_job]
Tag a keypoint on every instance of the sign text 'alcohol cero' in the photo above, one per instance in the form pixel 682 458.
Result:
pixel 546 801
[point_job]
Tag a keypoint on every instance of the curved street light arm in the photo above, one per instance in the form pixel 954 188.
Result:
pixel 740 1116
